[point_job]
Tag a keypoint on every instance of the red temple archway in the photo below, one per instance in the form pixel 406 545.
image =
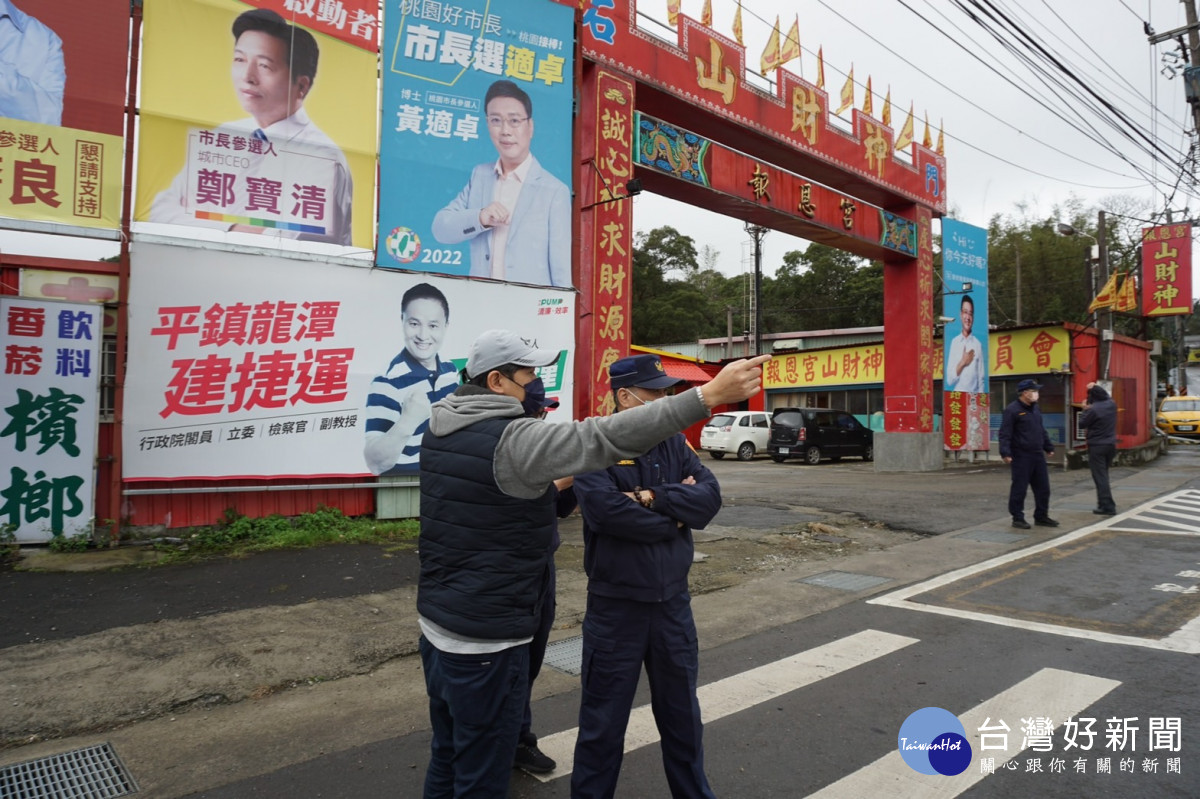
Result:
pixel 683 119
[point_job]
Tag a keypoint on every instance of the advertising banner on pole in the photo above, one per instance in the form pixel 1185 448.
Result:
pixel 476 139
pixel 251 366
pixel 63 69
pixel 260 118
pixel 50 404
pixel 1167 270
pixel 965 303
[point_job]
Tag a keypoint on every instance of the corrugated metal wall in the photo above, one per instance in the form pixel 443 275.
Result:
pixel 188 510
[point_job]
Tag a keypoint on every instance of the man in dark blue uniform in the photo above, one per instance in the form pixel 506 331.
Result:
pixel 1025 444
pixel 638 517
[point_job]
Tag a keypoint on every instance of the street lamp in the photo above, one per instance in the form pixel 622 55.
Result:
pixel 1097 256
pixel 1063 229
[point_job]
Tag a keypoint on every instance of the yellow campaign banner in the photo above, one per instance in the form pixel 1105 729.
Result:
pixel 1016 352
pixel 257 120
pixel 56 174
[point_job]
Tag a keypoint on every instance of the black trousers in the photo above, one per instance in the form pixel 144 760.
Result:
pixel 1100 458
pixel 1029 469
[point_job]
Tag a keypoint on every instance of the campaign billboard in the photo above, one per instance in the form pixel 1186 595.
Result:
pixel 475 149
pixel 63 78
pixel 255 366
pixel 1167 270
pixel 965 304
pixel 50 409
pixel 260 118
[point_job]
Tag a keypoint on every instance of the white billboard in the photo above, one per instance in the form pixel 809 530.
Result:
pixel 49 408
pixel 254 366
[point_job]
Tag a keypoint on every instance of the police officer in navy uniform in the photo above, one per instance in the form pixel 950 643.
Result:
pixel 638 518
pixel 1025 444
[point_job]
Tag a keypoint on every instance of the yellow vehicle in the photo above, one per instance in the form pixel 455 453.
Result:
pixel 1194 356
pixel 1179 416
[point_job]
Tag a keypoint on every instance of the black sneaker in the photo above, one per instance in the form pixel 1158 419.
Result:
pixel 1100 512
pixel 1020 524
pixel 532 759
pixel 1046 522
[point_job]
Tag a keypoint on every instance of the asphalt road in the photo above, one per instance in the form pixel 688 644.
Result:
pixel 365 735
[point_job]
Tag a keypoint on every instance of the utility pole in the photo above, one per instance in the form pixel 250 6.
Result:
pixel 1189 8
pixel 1104 321
pixel 757 232
pixel 1018 253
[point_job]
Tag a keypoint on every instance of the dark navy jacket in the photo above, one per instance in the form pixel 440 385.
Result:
pixel 637 553
pixel 484 554
pixel 1099 419
pixel 1022 431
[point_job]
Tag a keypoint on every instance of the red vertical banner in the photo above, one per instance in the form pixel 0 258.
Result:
pixel 925 351
pixel 608 247
pixel 954 419
pixel 1167 270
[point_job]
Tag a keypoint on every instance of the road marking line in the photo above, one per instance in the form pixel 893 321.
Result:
pixel 1185 640
pixel 1061 694
pixel 742 691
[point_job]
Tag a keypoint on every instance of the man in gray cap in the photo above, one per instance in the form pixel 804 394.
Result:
pixel 638 518
pixel 487 521
pixel 1023 440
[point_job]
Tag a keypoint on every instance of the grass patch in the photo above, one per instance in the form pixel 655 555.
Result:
pixel 236 534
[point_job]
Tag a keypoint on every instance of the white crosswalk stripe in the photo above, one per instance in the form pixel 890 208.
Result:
pixel 1056 694
pixel 745 690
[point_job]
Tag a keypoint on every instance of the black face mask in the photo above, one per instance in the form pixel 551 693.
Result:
pixel 535 397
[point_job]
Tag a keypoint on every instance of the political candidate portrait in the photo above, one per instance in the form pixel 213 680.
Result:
pixel 966 367
pixel 274 68
pixel 515 214
pixel 32 71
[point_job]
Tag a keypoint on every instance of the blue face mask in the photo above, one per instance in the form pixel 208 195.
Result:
pixel 535 397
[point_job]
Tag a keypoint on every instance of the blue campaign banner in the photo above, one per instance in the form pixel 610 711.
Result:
pixel 475 149
pixel 964 262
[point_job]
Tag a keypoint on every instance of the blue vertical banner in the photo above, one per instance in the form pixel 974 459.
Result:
pixel 965 342
pixel 475 149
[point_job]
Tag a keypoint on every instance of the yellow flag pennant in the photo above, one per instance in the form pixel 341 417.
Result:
pixel 941 145
pixel 770 56
pixel 1107 297
pixel 820 67
pixel 847 92
pixel 868 108
pixel 673 12
pixel 791 43
pixel 706 14
pixel 887 108
pixel 1127 300
pixel 926 141
pixel 737 26
pixel 906 133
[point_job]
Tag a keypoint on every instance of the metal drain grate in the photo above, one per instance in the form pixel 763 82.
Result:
pixel 845 581
pixel 94 772
pixel 993 536
pixel 566 655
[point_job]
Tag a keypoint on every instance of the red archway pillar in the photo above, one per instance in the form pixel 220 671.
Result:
pixel 605 277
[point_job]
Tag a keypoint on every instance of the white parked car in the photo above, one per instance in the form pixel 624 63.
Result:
pixel 740 432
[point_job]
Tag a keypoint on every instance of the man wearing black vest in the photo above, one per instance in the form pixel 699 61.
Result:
pixel 487 518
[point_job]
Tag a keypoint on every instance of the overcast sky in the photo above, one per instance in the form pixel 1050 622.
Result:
pixel 1009 138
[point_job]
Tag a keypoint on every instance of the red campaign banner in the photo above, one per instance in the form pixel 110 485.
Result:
pixel 1167 270
pixel 954 419
pixel 355 22
pixel 79 67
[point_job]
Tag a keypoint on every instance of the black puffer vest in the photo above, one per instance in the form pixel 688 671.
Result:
pixel 484 554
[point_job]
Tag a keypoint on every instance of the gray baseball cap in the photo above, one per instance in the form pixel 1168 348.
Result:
pixel 495 348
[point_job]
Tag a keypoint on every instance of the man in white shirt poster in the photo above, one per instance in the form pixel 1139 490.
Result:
pixel 282 175
pixel 966 368
pixel 516 215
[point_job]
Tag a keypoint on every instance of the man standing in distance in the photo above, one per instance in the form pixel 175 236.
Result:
pixel 638 518
pixel 965 366
pixel 1099 419
pixel 397 410
pixel 1025 445
pixel 274 67
pixel 487 521
pixel 516 215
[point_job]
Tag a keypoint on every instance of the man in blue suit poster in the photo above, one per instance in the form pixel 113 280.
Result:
pixel 516 215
